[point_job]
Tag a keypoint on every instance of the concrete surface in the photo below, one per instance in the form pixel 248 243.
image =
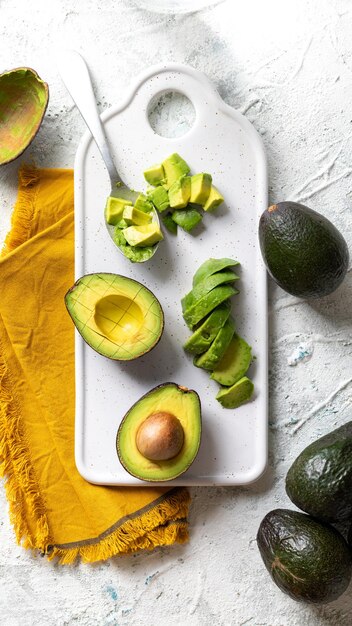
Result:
pixel 288 67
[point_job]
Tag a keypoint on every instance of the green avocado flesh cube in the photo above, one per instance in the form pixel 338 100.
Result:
pixel 239 393
pixel 200 309
pixel 180 192
pixel 214 199
pixel 211 266
pixel 134 254
pixel 169 223
pixel 139 236
pixel 234 363
pixel 114 209
pixel 200 188
pixel 117 316
pixel 207 285
pixel 133 216
pixel 155 175
pixel 186 218
pixel 185 406
pixel 201 339
pixel 174 168
pixel 160 198
pixel 217 349
pixel 143 204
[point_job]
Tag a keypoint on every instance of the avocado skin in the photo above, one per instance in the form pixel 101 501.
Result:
pixel 319 481
pixel 308 560
pixel 303 251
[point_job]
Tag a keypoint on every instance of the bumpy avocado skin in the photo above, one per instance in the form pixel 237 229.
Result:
pixel 308 560
pixel 302 250
pixel 319 481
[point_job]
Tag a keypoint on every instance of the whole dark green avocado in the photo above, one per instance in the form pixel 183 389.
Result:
pixel 319 481
pixel 302 250
pixel 308 560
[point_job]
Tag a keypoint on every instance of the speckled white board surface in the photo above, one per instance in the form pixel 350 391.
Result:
pixel 288 68
pixel 233 448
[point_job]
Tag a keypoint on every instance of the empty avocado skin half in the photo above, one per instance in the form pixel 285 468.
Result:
pixel 182 403
pixel 116 316
pixel 23 102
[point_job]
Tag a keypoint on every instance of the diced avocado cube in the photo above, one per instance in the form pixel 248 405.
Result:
pixel 143 204
pixel 159 198
pixel 141 236
pixel 174 168
pixel 132 216
pixel 186 218
pixel 155 175
pixel 200 188
pixel 114 209
pixel 180 192
pixel 121 224
pixel 214 199
pixel 169 223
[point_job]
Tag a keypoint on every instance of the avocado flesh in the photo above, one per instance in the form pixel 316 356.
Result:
pixel 200 188
pixel 217 349
pixel 239 393
pixel 206 285
pixel 320 480
pixel 174 167
pixel 182 403
pixel 214 199
pixel 303 251
pixel 160 198
pixel 169 223
pixel 143 204
pixel 203 337
pixel 117 316
pixel 187 219
pixel 211 266
pixel 205 305
pixel 308 560
pixel 155 175
pixel 140 236
pixel 179 192
pixel 131 215
pixel 133 253
pixel 114 209
pixel 234 363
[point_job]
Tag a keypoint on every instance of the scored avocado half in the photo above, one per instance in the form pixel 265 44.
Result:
pixel 117 316
pixel 159 436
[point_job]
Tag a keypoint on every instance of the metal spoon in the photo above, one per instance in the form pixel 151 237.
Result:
pixel 75 75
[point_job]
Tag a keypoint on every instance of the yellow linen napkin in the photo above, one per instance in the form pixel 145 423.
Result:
pixel 53 509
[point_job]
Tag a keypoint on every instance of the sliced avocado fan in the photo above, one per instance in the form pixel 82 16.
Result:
pixel 116 316
pixel 205 334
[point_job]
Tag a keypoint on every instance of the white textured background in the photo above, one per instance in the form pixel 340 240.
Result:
pixel 288 67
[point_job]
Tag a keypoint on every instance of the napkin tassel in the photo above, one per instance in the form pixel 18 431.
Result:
pixel 22 216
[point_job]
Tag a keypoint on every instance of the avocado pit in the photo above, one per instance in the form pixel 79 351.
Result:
pixel 160 437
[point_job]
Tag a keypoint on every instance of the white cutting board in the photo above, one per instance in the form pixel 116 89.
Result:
pixel 222 142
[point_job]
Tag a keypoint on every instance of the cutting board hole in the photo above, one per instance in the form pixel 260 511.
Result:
pixel 171 114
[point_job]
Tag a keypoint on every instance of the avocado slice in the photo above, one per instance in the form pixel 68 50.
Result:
pixel 160 198
pixel 201 339
pixel 200 188
pixel 131 215
pixel 205 305
pixel 180 192
pixel 143 204
pixel 217 349
pixel 303 251
pixel 214 199
pixel 211 266
pixel 307 560
pixel 187 219
pixel 234 363
pixel 141 236
pixel 114 209
pixel 169 223
pixel 155 175
pixel 239 393
pixel 117 316
pixel 174 168
pixel 320 479
pixel 169 398
pixel 206 285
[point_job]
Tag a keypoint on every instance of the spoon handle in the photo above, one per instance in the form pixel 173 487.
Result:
pixel 74 73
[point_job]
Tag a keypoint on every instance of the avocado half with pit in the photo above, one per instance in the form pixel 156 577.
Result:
pixel 116 316
pixel 23 101
pixel 159 437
